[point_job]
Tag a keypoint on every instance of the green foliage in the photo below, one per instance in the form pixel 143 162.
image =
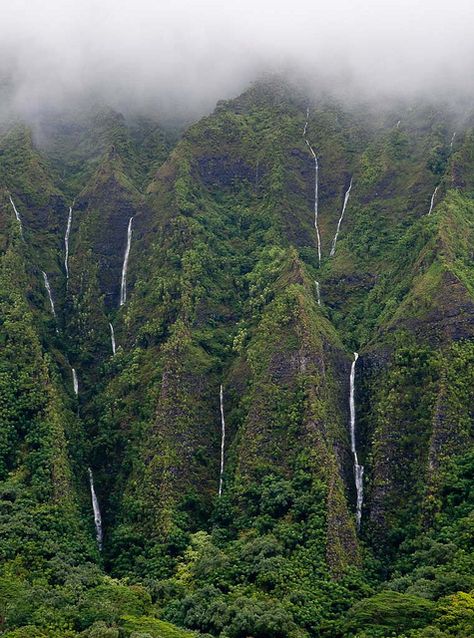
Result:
pixel 390 612
pixel 222 292
pixel 108 601
pixel 145 626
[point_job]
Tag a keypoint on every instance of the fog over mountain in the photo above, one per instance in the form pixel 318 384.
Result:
pixel 236 319
pixel 185 55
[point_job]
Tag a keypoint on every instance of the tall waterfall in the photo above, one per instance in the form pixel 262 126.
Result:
pixel 66 243
pixel 318 292
pixel 96 509
pixel 358 469
pixel 123 285
pixel 48 290
pixel 316 185
pixel 221 403
pixel 17 215
pixel 75 382
pixel 112 337
pixel 346 199
pixel 432 200
pixel 398 123
pixel 452 141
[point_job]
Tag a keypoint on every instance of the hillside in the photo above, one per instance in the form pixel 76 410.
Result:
pixel 192 367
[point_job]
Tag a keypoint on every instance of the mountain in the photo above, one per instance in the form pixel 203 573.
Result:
pixel 208 335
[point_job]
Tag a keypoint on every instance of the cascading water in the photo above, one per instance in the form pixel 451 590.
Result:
pixel 96 509
pixel 123 285
pixel 452 142
pixel 221 403
pixel 398 123
pixel 316 185
pixel 346 199
pixel 75 382
pixel 318 292
pixel 48 290
pixel 358 469
pixel 17 215
pixel 112 337
pixel 66 243
pixel 305 128
pixel 432 200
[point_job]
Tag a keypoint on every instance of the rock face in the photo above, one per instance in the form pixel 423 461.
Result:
pixel 411 438
pixel 101 218
pixel 180 454
pixel 296 374
pixel 222 171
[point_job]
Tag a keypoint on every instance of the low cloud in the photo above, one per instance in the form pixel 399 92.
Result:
pixel 183 56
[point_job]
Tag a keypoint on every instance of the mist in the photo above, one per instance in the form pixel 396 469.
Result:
pixel 182 57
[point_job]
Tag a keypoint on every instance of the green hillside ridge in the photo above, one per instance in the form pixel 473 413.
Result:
pixel 221 291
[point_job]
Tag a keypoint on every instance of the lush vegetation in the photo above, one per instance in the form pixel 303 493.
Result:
pixel 223 286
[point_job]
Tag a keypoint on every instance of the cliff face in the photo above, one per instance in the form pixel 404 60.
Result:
pixel 418 345
pixel 225 288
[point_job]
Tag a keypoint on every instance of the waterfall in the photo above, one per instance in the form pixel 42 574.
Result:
pixel 316 185
pixel 306 124
pixel 398 124
pixel 123 285
pixel 112 337
pixel 318 292
pixel 221 474
pixel 432 200
pixel 75 382
pixel 66 242
pixel 358 469
pixel 452 142
pixel 48 290
pixel 96 509
pixel 17 215
pixel 346 199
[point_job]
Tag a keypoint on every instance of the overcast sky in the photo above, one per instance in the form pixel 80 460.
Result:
pixel 185 52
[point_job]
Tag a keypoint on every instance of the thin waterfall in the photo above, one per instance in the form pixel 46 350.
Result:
pixel 221 474
pixel 75 382
pixel 66 243
pixel 17 215
pixel 306 124
pixel 398 124
pixel 96 509
pixel 112 337
pixel 432 200
pixel 452 142
pixel 346 199
pixel 318 292
pixel 123 285
pixel 316 185
pixel 48 290
pixel 358 469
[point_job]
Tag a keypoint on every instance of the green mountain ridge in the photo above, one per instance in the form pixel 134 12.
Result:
pixel 224 290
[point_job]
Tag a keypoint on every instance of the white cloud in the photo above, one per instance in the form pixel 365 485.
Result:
pixel 193 53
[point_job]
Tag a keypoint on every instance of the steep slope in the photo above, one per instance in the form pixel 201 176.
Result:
pixel 207 308
pixel 204 279
pixel 44 532
pixel 232 323
pixel 75 141
pixel 28 194
pixel 431 590
pixel 51 582
pixel 423 341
